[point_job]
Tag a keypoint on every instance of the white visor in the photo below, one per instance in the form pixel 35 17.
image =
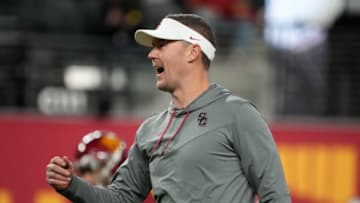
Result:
pixel 171 29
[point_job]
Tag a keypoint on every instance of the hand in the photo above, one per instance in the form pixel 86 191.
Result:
pixel 59 172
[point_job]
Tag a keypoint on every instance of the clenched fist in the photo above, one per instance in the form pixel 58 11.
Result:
pixel 59 172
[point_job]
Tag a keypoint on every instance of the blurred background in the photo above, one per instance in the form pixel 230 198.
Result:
pixel 71 66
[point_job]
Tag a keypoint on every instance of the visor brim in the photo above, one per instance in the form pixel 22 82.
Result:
pixel 145 37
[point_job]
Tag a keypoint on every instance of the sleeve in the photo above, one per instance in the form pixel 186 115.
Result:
pixel 130 184
pixel 259 157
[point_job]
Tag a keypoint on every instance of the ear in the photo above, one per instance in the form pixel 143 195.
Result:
pixel 194 53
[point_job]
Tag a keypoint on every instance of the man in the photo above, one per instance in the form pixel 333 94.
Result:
pixel 208 146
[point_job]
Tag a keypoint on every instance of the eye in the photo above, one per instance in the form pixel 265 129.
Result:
pixel 159 43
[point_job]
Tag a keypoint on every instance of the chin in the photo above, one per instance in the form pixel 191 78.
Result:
pixel 164 87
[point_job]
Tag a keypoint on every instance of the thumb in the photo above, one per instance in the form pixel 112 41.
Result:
pixel 68 163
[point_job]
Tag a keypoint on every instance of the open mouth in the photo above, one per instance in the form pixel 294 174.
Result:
pixel 159 70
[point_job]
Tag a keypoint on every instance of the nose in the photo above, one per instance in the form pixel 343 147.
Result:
pixel 152 54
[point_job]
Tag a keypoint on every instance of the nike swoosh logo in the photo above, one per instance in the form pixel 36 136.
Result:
pixel 192 38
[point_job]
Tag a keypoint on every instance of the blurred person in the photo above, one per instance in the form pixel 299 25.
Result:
pixel 98 155
pixel 207 146
pixel 116 23
pixel 343 98
pixel 296 33
pixel 122 16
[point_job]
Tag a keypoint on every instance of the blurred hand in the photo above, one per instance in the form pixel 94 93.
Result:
pixel 59 172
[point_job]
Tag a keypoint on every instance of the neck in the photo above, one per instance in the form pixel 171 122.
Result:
pixel 190 90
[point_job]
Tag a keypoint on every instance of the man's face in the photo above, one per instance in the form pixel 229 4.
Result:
pixel 169 61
